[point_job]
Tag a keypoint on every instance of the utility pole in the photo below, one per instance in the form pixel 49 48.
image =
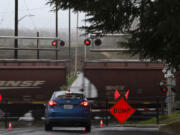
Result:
pixel 77 41
pixel 69 33
pixel 169 95
pixel 85 51
pixel 16 30
pixel 56 28
pixel 37 45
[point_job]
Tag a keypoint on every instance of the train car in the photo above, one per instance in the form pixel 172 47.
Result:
pixel 141 80
pixel 27 84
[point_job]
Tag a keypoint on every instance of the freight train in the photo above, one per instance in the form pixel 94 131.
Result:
pixel 141 79
pixel 27 84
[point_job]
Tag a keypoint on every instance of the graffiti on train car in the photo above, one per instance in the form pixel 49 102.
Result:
pixel 21 84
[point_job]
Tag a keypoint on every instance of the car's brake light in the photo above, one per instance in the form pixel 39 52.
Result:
pixel 52 103
pixel 68 92
pixel 84 103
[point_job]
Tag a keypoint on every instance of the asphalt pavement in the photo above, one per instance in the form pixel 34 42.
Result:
pixel 79 131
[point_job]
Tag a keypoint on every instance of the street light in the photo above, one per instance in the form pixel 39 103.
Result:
pixel 30 15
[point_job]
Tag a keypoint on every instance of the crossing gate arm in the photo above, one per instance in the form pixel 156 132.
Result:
pixel 35 38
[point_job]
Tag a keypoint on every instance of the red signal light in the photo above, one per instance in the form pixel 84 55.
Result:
pixel 0 97
pixel 87 42
pixel 164 90
pixel 54 43
pixel 52 103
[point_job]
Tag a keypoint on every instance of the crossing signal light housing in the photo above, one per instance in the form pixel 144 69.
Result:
pixel 173 89
pixel 163 86
pixel 87 42
pixel 54 43
pixel 62 43
pixel 164 90
pixel 0 97
pixel 98 42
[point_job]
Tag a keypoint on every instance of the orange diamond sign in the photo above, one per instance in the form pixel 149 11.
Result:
pixel 121 110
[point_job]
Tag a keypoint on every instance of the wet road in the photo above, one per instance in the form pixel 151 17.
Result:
pixel 79 131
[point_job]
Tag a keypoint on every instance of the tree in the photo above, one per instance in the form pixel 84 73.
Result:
pixel 106 16
pixel 156 35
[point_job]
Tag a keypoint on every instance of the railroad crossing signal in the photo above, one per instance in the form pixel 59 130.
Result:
pixel 96 42
pixel 55 43
pixel 163 86
pixel 0 97
pixel 121 110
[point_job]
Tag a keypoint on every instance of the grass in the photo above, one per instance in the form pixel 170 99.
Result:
pixel 164 119
pixel 71 78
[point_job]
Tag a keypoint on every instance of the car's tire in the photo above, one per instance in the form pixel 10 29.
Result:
pixel 88 128
pixel 47 127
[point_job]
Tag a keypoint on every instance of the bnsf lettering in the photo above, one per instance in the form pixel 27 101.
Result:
pixel 122 110
pixel 21 83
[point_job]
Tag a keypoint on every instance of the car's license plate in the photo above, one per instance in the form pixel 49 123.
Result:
pixel 68 106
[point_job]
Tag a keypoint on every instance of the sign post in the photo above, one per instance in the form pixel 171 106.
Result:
pixel 170 82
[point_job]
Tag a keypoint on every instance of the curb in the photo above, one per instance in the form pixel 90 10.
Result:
pixel 141 125
pixel 137 125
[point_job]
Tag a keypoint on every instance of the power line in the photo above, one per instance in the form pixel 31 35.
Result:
pixel 12 12
pixel 29 14
pixel 2 19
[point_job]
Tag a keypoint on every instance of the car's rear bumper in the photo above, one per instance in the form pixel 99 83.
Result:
pixel 68 122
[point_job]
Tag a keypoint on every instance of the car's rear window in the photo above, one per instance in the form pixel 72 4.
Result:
pixel 69 96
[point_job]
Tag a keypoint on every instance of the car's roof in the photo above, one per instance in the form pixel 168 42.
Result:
pixel 62 92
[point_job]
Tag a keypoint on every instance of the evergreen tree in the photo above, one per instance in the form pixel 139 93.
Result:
pixel 156 31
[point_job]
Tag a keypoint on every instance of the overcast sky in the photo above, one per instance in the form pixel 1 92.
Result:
pixel 43 16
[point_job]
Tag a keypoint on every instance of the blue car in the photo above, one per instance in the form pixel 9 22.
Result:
pixel 67 109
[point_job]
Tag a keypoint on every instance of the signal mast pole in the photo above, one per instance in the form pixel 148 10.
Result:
pixel 16 30
pixel 56 28
pixel 69 33
pixel 77 41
